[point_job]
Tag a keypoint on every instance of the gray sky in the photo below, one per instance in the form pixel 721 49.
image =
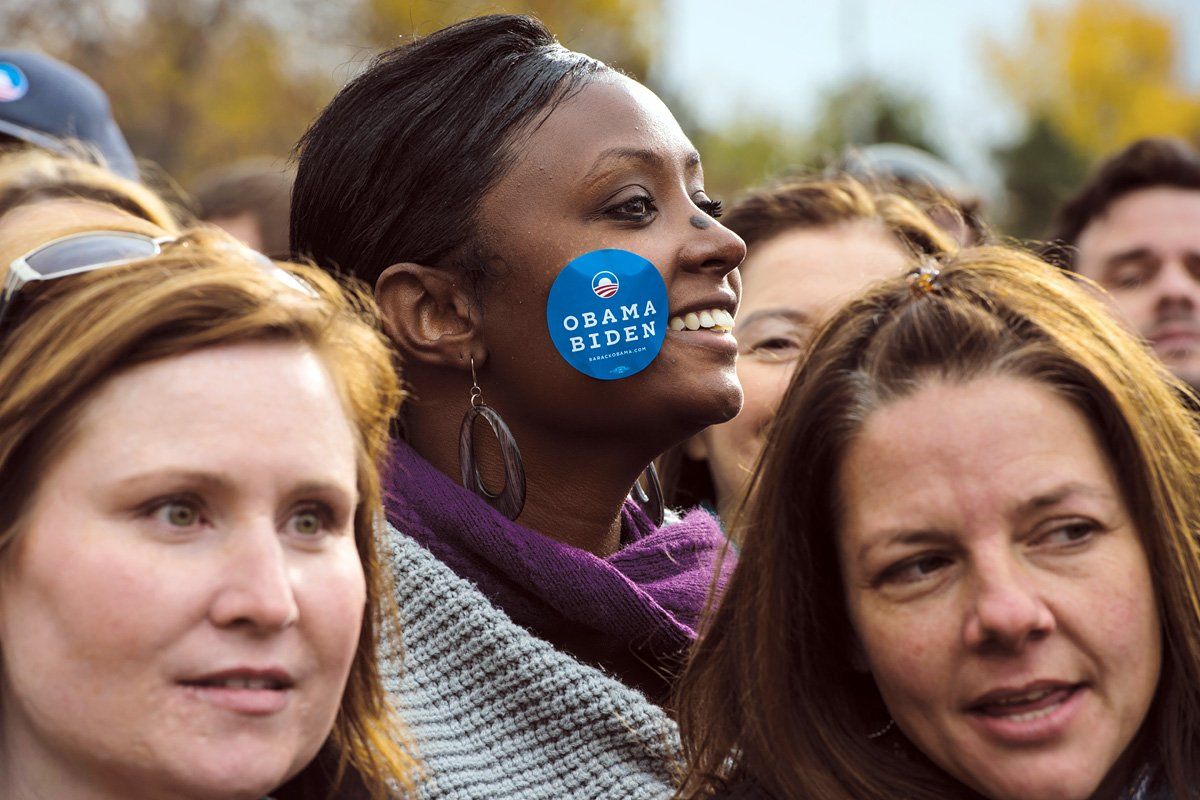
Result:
pixel 775 58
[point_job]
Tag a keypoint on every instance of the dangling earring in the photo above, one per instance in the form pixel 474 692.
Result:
pixel 511 499
pixel 651 503
pixel 891 723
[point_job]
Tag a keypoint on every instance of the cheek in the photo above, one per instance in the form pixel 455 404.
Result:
pixel 332 596
pixel 763 386
pixel 909 654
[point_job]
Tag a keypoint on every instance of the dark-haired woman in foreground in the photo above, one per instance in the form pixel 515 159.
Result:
pixel 460 175
pixel 970 566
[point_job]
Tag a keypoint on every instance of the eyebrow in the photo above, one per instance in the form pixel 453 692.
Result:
pixel 1047 499
pixel 1058 494
pixel 790 314
pixel 611 159
pixel 1125 256
pixel 215 482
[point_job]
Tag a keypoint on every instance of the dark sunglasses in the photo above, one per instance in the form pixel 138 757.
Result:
pixel 85 252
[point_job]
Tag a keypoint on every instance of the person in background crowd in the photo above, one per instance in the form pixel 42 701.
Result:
pixel 1134 228
pixel 812 244
pixel 250 200
pixel 939 189
pixel 970 560
pixel 191 599
pixel 459 175
pixel 49 104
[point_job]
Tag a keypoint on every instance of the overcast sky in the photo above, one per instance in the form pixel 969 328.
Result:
pixel 775 58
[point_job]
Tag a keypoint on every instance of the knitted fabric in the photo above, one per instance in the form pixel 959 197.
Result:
pixel 499 714
pixel 639 606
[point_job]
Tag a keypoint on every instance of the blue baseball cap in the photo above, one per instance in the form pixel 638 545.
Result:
pixel 44 101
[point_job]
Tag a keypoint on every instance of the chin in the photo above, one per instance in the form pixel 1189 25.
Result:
pixel 236 775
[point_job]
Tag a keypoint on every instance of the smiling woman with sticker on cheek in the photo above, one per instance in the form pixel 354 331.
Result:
pixel 461 175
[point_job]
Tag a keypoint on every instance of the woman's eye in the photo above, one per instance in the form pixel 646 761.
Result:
pixel 915 570
pixel 310 522
pixel 634 209
pixel 777 348
pixel 1069 534
pixel 714 208
pixel 178 513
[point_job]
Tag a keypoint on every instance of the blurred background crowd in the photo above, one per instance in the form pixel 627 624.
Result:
pixel 1021 97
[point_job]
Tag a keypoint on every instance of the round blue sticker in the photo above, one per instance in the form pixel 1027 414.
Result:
pixel 607 313
pixel 13 83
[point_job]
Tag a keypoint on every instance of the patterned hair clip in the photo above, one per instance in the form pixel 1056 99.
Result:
pixel 924 279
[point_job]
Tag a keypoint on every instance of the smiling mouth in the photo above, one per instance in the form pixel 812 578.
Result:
pixel 712 319
pixel 1027 706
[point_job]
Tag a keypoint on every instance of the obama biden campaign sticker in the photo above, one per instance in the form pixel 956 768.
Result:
pixel 607 313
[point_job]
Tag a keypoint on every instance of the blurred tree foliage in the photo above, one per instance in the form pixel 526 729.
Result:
pixel 861 112
pixel 1040 171
pixel 1092 78
pixel 200 83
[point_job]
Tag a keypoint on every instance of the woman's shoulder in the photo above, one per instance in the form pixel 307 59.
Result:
pixel 497 712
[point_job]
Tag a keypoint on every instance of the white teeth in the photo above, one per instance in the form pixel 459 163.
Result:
pixel 717 319
pixel 1025 698
pixel 1032 715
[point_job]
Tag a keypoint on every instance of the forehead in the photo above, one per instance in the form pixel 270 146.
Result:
pixel 815 268
pixel 215 408
pixel 968 448
pixel 28 226
pixel 611 113
pixel 1163 218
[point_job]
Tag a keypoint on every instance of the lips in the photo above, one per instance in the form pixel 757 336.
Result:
pixel 1036 713
pixel 1023 705
pixel 250 691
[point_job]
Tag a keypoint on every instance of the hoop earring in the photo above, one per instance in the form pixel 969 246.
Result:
pixel 651 503
pixel 891 723
pixel 511 498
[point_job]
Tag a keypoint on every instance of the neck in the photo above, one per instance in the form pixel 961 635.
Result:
pixel 575 487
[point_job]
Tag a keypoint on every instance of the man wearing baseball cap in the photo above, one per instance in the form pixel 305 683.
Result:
pixel 45 102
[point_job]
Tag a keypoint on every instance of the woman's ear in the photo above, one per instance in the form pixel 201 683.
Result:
pixel 428 313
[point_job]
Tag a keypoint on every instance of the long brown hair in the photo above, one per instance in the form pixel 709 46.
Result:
pixel 770 696
pixel 74 334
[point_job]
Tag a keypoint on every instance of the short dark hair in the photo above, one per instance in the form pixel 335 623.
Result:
pixel 395 167
pixel 1145 164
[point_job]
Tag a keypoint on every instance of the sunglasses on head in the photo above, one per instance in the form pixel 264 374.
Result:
pixel 93 250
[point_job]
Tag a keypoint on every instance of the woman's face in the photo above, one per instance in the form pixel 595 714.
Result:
pixel 998 587
pixel 609 168
pixel 791 283
pixel 182 603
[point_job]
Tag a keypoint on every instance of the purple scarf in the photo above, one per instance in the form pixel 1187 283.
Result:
pixel 645 599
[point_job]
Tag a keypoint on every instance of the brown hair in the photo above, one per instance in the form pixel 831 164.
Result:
pixel 770 695
pixel 30 174
pixel 1145 164
pixel 74 334
pixel 812 202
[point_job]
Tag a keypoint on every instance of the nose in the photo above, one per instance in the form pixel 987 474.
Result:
pixel 254 589
pixel 1007 611
pixel 1178 287
pixel 711 246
